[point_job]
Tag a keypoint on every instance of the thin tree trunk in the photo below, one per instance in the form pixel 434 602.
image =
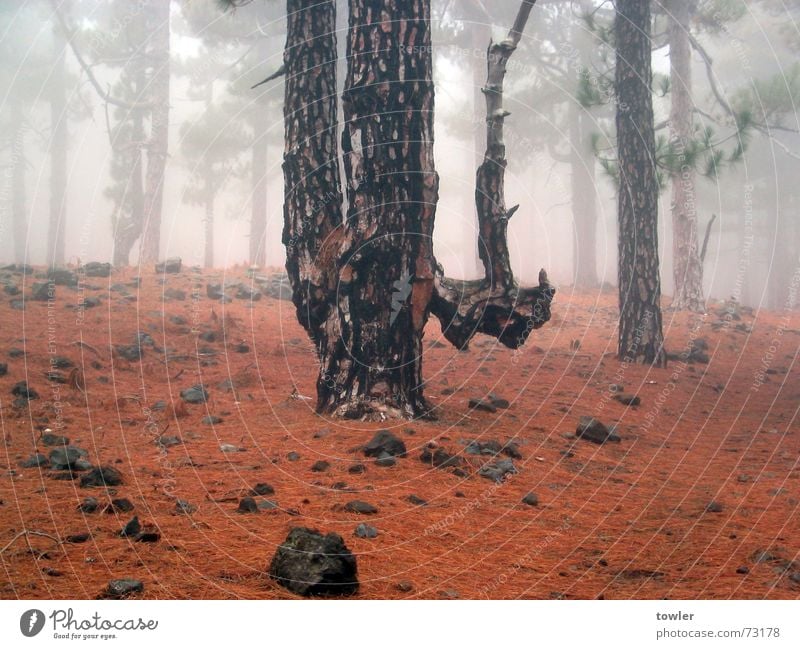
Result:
pixel 687 266
pixel 127 229
pixel 481 37
pixel 19 200
pixel 640 332
pixel 157 147
pixel 258 203
pixel 583 199
pixel 209 219
pixel 58 153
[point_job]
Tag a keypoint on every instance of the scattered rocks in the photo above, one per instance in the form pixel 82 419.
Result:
pixel 67 458
pixel 311 564
pixel 97 269
pixel 121 588
pixel 61 362
pixel 89 505
pixel 175 294
pixel 167 441
pixel 119 505
pixel 169 266
pixel 364 531
pixel 129 352
pixel 262 489
pixel 360 507
pixel 247 506
pixel 386 443
pixel 416 500
pixel 184 507
pixel 35 461
pixel 628 399
pixel 593 430
pixel 245 292
pixel 714 507
pixel 62 277
pixel 132 528
pixel 78 538
pixel 320 466
pixel 104 476
pixel 215 291
pixel 356 469
pixel 440 459
pixel 22 391
pixel 497 471
pixel 531 499
pixel 195 394
pixel 43 291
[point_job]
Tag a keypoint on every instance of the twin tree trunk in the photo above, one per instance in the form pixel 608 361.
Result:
pixel 365 284
pixel 688 267
pixel 640 333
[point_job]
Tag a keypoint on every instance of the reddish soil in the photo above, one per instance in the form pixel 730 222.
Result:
pixel 624 520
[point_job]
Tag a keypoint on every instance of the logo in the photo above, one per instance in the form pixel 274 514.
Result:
pixel 31 622
pixel 402 289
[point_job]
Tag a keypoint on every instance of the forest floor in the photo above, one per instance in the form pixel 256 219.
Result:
pixel 617 520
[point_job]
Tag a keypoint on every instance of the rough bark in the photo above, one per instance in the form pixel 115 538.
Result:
pixel 640 330
pixel 58 153
pixel 687 265
pixel 157 146
pixel 365 286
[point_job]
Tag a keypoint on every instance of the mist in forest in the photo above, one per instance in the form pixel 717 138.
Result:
pixel 96 96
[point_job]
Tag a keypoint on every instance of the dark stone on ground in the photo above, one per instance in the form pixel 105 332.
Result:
pixel 262 489
pixel 62 277
pixel 440 458
pixel 364 531
pixel 148 537
pixel 385 460
pixel 178 320
pixel 311 564
pixel 184 507
pixel 405 586
pixel 175 294
pixel 78 538
pixel 360 507
pixel 169 440
pixel 385 442
pixel 211 420
pixel 489 447
pixel 195 394
pixel 171 265
pixel 90 302
pixel 34 461
pixel 247 506
pixel 241 348
pixel 104 476
pixel 292 456
pixel 121 588
pixel 531 499
pixel 215 291
pixel 3 369
pixel 482 405
pixel 208 336
pixel 61 362
pixel 511 449
pixel 245 292
pixel 357 468
pixel 497 471
pixel 742 570
pixel 89 505
pixel 416 500
pixel 132 528
pixel 22 390
pixel 593 430
pixel 66 457
pixel 498 402
pixel 56 376
pixel 16 352
pixel 97 269
pixel 119 505
pixel 129 352
pixel 43 291
pixel 628 399
pixel 320 466
pixel 714 507
pixel 49 439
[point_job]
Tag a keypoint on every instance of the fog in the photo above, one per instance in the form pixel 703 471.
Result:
pixel 216 57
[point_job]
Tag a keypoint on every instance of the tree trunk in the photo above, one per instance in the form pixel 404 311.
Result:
pixel 58 153
pixel 584 204
pixel 209 219
pixel 687 266
pixel 640 333
pixel 258 203
pixel 157 146
pixel 19 200
pixel 364 287
pixel 128 228
pixel 481 37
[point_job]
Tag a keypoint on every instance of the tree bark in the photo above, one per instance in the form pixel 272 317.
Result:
pixel 58 153
pixel 159 54
pixel 128 228
pixel 365 286
pixel 687 266
pixel 640 330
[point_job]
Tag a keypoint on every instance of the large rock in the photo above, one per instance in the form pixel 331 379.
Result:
pixel 385 442
pixel 195 394
pixel 104 476
pixel 440 458
pixel 312 564
pixel 23 391
pixel 67 458
pixel 97 269
pixel 497 471
pixel 171 265
pixel 43 291
pixel 62 277
pixel 594 430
